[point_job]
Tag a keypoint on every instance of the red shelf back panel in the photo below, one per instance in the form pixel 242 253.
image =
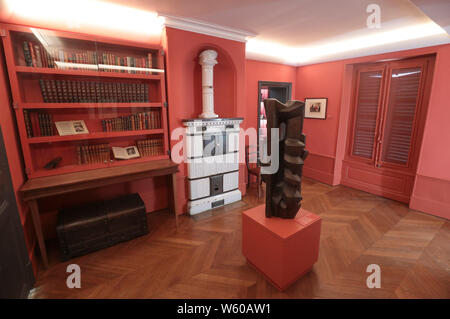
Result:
pixel 99 120
pixel 43 153
pixel 81 89
pixel 43 47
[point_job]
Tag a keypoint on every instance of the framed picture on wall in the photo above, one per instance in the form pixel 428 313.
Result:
pixel 316 108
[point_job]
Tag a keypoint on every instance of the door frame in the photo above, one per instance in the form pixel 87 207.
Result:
pixel 261 84
pixel 392 172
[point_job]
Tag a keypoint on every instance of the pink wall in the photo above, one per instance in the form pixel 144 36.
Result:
pixel 263 71
pixel 435 158
pixel 236 95
pixel 431 192
pixel 184 85
pixel 432 186
pixel 316 81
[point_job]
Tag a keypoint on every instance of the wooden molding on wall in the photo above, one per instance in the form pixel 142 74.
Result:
pixel 431 195
pixel 382 182
pixel 320 167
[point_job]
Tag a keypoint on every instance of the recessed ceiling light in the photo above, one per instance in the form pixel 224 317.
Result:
pixel 297 55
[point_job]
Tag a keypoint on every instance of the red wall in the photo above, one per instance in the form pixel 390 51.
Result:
pixel 263 71
pixel 236 83
pixel 326 138
pixel 431 192
pixel 317 81
pixel 184 84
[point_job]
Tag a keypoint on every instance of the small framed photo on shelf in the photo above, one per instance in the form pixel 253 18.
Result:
pixel 71 128
pixel 126 152
pixel 316 108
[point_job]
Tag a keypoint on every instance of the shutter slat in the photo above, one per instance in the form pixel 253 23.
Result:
pixel 401 109
pixel 366 113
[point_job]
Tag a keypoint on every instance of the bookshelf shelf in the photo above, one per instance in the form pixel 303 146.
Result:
pixel 52 76
pixel 85 167
pixel 91 136
pixel 122 75
pixel 43 105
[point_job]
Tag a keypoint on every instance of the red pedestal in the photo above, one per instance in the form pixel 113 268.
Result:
pixel 281 249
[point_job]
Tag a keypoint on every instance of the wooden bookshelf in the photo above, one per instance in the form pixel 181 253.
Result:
pixel 92 136
pixel 87 105
pixel 72 77
pixel 35 70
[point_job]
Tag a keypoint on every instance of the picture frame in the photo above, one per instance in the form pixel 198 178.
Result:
pixel 316 108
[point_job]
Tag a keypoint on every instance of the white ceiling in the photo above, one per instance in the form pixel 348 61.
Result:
pixel 438 10
pixel 319 30
pixel 310 23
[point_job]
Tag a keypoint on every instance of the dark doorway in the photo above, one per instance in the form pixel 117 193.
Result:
pixel 16 273
pixel 278 90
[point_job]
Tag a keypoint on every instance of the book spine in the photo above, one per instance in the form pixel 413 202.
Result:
pixel 83 154
pixel 47 123
pixel 28 125
pixel 152 119
pixel 33 55
pixel 78 150
pixel 41 124
pixel 44 57
pixel 27 54
pixel 37 51
pixel 52 91
pixel 52 127
pixel 35 124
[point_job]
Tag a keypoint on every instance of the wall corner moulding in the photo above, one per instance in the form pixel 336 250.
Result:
pixel 211 29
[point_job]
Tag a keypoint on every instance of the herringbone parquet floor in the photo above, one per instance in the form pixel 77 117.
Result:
pixel 203 258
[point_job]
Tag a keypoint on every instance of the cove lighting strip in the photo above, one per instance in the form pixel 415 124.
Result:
pixel 295 55
pixel 87 13
pixel 63 65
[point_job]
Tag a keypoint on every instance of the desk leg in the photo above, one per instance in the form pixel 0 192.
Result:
pixel 174 200
pixel 38 230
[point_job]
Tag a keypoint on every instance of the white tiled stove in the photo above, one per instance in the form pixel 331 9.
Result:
pixel 212 147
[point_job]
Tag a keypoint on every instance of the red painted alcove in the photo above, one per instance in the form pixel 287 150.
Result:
pixel 184 85
pixel 224 83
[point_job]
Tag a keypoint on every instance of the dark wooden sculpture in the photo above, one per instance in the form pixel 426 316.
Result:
pixel 283 188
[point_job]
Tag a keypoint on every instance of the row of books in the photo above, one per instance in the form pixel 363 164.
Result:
pixel 69 91
pixel 89 154
pixel 101 153
pixel 151 147
pixel 36 55
pixel 139 121
pixel 38 123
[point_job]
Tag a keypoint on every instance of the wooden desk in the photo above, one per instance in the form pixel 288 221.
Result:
pixel 41 187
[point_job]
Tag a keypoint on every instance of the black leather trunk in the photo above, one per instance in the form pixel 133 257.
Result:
pixel 98 225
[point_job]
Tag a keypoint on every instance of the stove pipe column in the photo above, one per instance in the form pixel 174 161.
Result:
pixel 207 61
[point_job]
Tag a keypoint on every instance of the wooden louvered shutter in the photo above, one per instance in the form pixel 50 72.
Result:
pixel 366 113
pixel 399 119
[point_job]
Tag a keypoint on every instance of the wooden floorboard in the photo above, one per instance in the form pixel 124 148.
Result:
pixel 203 259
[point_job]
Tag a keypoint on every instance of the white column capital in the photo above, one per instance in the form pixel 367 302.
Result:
pixel 207 60
pixel 208 57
